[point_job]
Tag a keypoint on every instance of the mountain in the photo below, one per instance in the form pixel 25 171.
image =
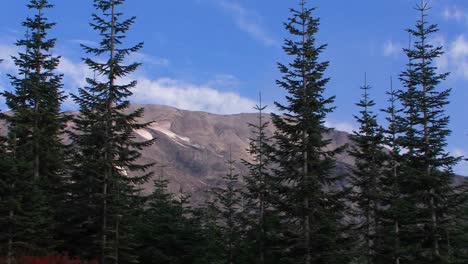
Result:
pixel 192 147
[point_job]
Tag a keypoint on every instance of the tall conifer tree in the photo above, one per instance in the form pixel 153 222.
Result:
pixel 310 201
pixel 261 213
pixel 229 214
pixel 35 129
pixel 106 175
pixel 393 217
pixel 365 180
pixel 165 232
pixel 428 170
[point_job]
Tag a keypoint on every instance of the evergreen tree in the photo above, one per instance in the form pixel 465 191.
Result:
pixel 393 217
pixel 106 175
pixel 35 127
pixel 428 167
pixel 260 214
pixel 457 227
pixel 310 201
pixel 365 181
pixel 211 247
pixel 9 201
pixel 228 206
pixel 165 232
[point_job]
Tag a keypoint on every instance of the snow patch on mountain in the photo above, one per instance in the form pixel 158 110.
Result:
pixel 164 127
pixel 144 134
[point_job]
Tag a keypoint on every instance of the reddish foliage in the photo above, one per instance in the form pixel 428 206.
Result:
pixel 47 260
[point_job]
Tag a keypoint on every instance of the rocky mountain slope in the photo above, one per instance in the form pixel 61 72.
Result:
pixel 192 147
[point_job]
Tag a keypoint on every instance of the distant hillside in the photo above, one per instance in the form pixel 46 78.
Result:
pixel 192 146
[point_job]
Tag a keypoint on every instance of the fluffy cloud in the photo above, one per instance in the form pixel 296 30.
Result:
pixel 190 96
pixel 462 167
pixel 164 91
pixel 167 91
pixel 391 49
pixel 455 59
pixel 341 126
pixel 455 13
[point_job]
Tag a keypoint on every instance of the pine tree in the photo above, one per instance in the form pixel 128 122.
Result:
pixel 106 175
pixel 35 129
pixel 428 167
pixel 310 200
pixel 365 181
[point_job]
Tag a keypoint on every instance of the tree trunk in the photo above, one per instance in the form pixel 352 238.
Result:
pixel 36 118
pixel 262 192
pixel 432 205
pixel 307 231
pixel 107 155
pixel 397 223
pixel 10 235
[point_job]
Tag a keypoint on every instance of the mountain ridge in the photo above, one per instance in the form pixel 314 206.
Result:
pixel 192 146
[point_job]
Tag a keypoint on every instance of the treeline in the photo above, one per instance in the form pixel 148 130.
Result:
pixel 82 197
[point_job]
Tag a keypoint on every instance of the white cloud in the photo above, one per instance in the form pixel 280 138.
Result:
pixel 341 126
pixel 190 96
pixel 458 152
pixel 177 93
pixel 247 21
pixel 6 51
pixel 455 59
pixel 84 42
pixel 147 59
pixel 75 74
pixel 391 49
pixel 224 81
pixel 455 13
pixel 462 167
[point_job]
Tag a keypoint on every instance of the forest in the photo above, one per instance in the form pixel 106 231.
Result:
pixel 71 194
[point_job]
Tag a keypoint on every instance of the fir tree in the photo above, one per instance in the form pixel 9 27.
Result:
pixel 165 232
pixel 365 181
pixel 106 176
pixel 261 214
pixel 310 201
pixel 393 217
pixel 428 167
pixel 9 201
pixel 211 247
pixel 35 129
pixel 228 206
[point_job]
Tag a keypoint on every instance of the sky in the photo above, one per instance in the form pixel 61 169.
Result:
pixel 217 55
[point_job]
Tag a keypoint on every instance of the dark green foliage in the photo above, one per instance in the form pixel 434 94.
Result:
pixel 366 182
pixel 457 236
pixel 106 175
pixel 166 232
pixel 397 208
pixel 228 208
pixel 35 150
pixel 260 214
pixel 210 247
pixel 428 181
pixel 310 201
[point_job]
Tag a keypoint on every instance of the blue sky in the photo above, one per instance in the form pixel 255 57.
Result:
pixel 216 55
